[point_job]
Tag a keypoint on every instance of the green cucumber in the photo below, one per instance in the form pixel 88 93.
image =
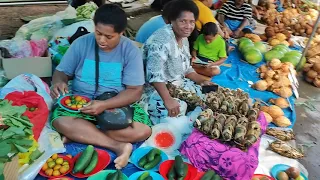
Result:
pixel 153 163
pixel 143 161
pixel 84 159
pixel 152 153
pixel 171 174
pixel 216 177
pixel 148 178
pixel 185 171
pixel 208 175
pixel 179 166
pixel 93 163
pixel 144 175
pixel 119 175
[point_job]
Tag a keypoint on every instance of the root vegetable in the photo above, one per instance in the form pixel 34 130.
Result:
pixel 281 102
pixel 268 117
pixel 282 121
pixel 275 111
pixel 262 69
pixel 316 81
pixel 316 67
pixel 284 92
pixel 275 64
pixel 285 68
pixel 312 74
pixel 270 74
pixel 307 67
pixel 270 82
pixel 265 109
pixel 260 85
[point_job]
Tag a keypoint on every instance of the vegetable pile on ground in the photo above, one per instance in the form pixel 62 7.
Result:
pixel 87 161
pixel 235 120
pixel 210 175
pixel 292 173
pixel 15 132
pixel 178 170
pixel 75 102
pixel 285 54
pixel 118 175
pixel 55 166
pixel 86 11
pixel 252 49
pixel 151 159
pixel 312 71
pixel 284 149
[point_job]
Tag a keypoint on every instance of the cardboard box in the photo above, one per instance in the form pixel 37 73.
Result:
pixel 39 66
pixel 11 169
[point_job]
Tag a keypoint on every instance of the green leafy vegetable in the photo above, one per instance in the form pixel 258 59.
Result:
pixel 35 155
pixel 20 148
pixel 6 108
pixel 1 170
pixel 5 148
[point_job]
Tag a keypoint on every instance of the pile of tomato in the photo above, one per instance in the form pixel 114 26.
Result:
pixel 75 102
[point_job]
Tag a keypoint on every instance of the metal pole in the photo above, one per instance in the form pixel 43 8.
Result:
pixel 309 41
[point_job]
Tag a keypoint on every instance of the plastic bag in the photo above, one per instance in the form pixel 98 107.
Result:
pixel 31 99
pixel 28 82
pixel 24 48
pixel 68 31
pixel 182 124
pixel 49 142
pixel 44 27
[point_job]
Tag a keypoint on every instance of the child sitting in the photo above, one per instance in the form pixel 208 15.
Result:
pixel 209 47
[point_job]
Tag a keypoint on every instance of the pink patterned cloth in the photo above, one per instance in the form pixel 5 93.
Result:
pixel 229 162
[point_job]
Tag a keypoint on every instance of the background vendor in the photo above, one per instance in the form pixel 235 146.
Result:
pixel 167 58
pixel 209 47
pixel 121 72
pixel 153 24
pixel 236 18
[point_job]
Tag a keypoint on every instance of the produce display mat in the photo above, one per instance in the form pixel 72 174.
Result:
pixel 235 76
pixel 238 75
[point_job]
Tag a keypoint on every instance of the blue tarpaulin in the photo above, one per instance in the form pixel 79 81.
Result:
pixel 236 76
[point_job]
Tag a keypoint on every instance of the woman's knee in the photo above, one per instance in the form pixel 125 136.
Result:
pixel 215 71
pixel 144 132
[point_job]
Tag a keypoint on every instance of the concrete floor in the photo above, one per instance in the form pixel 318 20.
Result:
pixel 307 128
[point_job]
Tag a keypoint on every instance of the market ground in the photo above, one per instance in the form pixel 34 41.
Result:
pixel 307 128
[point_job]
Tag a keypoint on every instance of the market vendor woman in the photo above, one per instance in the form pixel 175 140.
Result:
pixel 235 16
pixel 167 59
pixel 121 71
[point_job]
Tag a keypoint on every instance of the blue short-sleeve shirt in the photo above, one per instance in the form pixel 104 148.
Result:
pixel 122 66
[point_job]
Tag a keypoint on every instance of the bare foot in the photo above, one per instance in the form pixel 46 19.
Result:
pixel 123 156
pixel 65 140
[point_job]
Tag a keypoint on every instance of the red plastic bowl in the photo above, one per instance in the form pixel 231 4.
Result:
pixel 261 176
pixel 62 101
pixel 199 175
pixel 62 178
pixel 166 165
pixel 71 164
pixel 103 161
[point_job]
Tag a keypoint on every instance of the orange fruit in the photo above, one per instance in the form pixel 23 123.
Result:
pixel 69 155
pixel 51 164
pixel 79 106
pixel 49 172
pixel 59 161
pixel 68 101
pixel 83 101
pixel 73 106
pixel 54 156
pixel 50 159
pixel 56 173
pixel 65 163
pixel 57 167
pixel 78 98
pixel 64 169
pixel 45 167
